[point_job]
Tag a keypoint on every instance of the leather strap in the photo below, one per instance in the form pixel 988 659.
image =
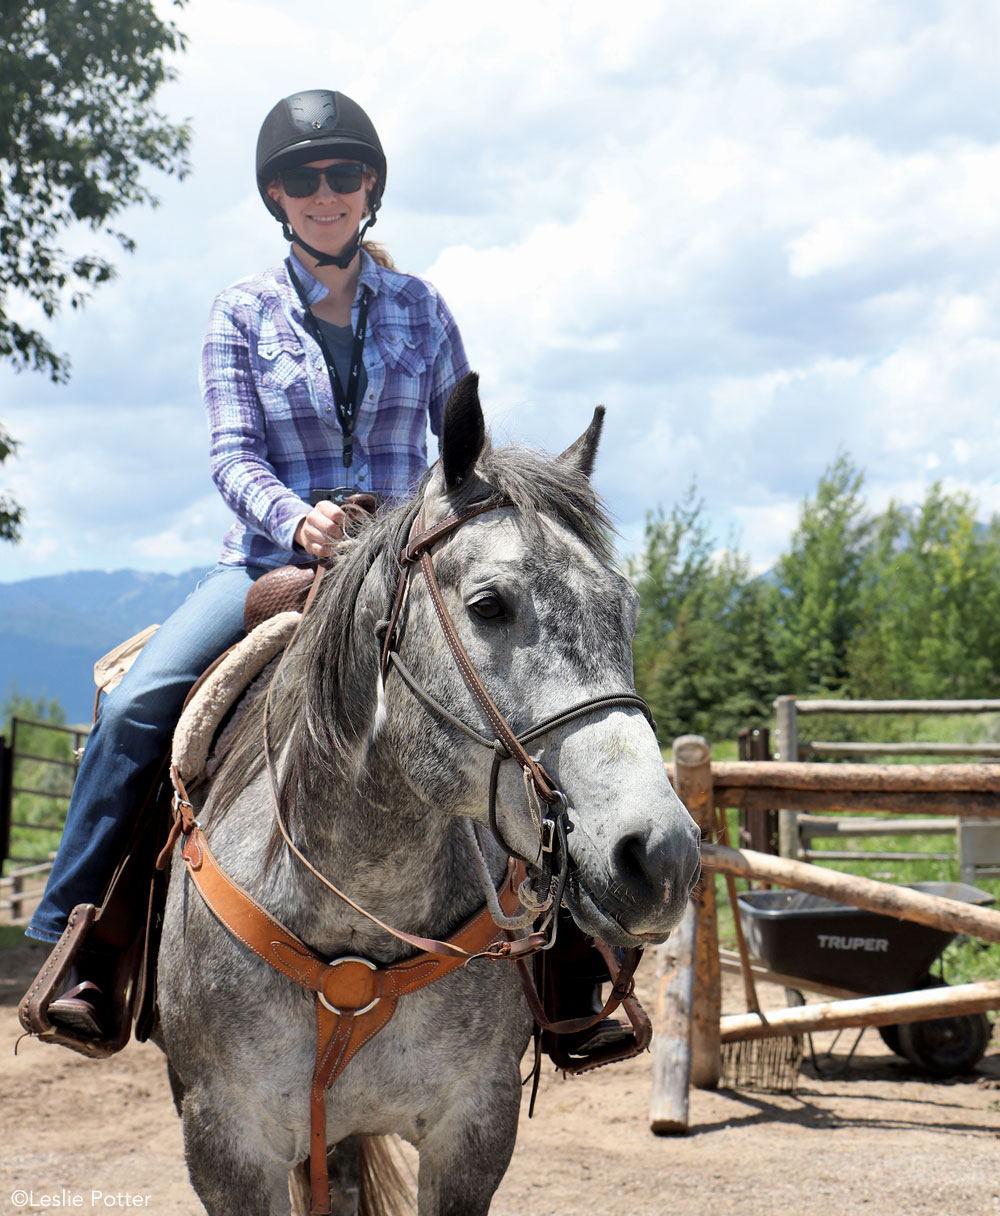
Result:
pixel 623 986
pixel 418 542
pixel 354 998
pixel 507 743
pixel 417 549
pixel 542 781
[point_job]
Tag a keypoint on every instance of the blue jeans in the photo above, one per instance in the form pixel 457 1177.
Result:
pixel 130 738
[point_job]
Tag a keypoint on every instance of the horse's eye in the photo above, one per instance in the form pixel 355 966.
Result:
pixel 489 607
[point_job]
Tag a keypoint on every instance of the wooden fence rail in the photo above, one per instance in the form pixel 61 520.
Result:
pixel 965 790
pixel 892 707
pixel 968 790
pixel 20 892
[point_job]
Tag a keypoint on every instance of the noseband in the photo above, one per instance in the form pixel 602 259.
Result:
pixel 552 827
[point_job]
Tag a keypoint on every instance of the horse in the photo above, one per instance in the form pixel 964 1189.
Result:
pixel 373 769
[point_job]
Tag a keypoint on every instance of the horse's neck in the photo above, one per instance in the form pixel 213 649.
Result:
pixel 410 870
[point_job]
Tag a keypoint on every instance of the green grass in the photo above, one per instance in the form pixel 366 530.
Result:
pixel 11 937
pixel 902 728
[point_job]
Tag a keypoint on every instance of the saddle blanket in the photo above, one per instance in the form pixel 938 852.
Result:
pixel 219 691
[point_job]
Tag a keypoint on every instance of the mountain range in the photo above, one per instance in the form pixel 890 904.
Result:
pixel 52 630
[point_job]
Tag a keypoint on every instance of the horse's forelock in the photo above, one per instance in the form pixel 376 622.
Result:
pixel 539 486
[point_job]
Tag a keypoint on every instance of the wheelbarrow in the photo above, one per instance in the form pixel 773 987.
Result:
pixel 813 939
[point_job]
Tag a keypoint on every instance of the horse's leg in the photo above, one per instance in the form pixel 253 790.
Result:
pixel 233 1172
pixel 344 1171
pixel 176 1087
pixel 464 1157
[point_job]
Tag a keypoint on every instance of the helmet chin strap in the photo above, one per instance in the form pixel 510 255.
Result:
pixel 342 259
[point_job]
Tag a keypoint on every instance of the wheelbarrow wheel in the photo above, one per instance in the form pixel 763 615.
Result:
pixel 890 1034
pixel 945 1046
pixel 890 1037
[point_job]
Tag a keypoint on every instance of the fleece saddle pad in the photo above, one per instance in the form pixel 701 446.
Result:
pixel 219 691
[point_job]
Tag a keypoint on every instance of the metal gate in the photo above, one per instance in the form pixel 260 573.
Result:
pixel 37 769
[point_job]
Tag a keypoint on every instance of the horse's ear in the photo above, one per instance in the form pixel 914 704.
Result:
pixel 463 435
pixel 583 452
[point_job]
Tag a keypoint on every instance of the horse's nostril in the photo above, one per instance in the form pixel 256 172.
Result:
pixel 631 859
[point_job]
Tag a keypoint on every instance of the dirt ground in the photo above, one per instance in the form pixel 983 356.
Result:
pixel 869 1136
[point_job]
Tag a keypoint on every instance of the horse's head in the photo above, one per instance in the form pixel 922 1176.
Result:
pixel 547 624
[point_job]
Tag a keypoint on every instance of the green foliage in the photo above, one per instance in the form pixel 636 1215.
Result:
pixel 32 709
pixel 701 649
pixel 929 603
pixel 816 598
pixel 78 80
pixel 11 515
pixel 78 126
pixel 902 604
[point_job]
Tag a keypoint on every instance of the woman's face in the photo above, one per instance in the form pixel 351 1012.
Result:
pixel 325 220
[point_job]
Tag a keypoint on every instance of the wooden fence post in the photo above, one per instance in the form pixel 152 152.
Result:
pixel 6 796
pixel 668 1107
pixel 16 896
pixel 788 735
pixel 693 779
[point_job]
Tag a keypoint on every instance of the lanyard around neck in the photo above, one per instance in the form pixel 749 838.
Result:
pixel 346 402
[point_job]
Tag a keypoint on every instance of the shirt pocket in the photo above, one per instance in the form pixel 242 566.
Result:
pixel 281 360
pixel 402 353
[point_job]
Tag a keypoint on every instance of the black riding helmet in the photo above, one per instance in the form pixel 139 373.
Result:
pixel 314 125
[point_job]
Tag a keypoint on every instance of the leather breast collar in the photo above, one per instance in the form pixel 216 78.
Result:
pixel 355 999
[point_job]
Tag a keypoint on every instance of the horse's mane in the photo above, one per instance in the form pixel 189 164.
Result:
pixel 321 709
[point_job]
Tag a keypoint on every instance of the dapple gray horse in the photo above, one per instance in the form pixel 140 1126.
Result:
pixel 375 784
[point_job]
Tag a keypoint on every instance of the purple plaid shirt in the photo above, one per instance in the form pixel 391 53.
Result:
pixel 274 428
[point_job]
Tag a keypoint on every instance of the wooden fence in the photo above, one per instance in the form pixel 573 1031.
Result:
pixel 20 892
pixel 688 1049
pixel 42 782
pixel 796 832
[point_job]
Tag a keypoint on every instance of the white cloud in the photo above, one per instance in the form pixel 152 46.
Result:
pixel 759 232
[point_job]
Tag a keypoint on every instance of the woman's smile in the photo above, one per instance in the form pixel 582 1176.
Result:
pixel 324 215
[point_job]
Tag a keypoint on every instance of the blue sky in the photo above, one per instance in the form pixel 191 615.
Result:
pixel 758 231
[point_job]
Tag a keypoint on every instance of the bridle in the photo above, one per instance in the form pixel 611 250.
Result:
pixel 555 824
pixel 551 861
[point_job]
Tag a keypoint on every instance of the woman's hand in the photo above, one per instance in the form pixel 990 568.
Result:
pixel 322 529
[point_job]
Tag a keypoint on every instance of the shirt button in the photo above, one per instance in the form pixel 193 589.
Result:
pixel 329 409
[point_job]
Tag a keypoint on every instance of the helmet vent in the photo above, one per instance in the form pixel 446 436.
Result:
pixel 315 110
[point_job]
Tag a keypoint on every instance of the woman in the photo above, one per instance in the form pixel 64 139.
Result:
pixel 320 372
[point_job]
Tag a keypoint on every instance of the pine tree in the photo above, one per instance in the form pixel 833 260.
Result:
pixel 815 599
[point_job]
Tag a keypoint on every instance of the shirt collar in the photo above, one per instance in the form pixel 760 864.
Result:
pixel 370 277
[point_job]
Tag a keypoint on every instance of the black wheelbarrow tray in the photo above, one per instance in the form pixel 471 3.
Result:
pixel 835 945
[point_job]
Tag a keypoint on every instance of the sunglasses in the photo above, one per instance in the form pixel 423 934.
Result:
pixel 303 182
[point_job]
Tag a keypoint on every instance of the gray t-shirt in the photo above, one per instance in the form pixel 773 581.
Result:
pixel 340 342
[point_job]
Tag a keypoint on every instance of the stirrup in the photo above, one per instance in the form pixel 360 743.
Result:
pixel 79 1009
